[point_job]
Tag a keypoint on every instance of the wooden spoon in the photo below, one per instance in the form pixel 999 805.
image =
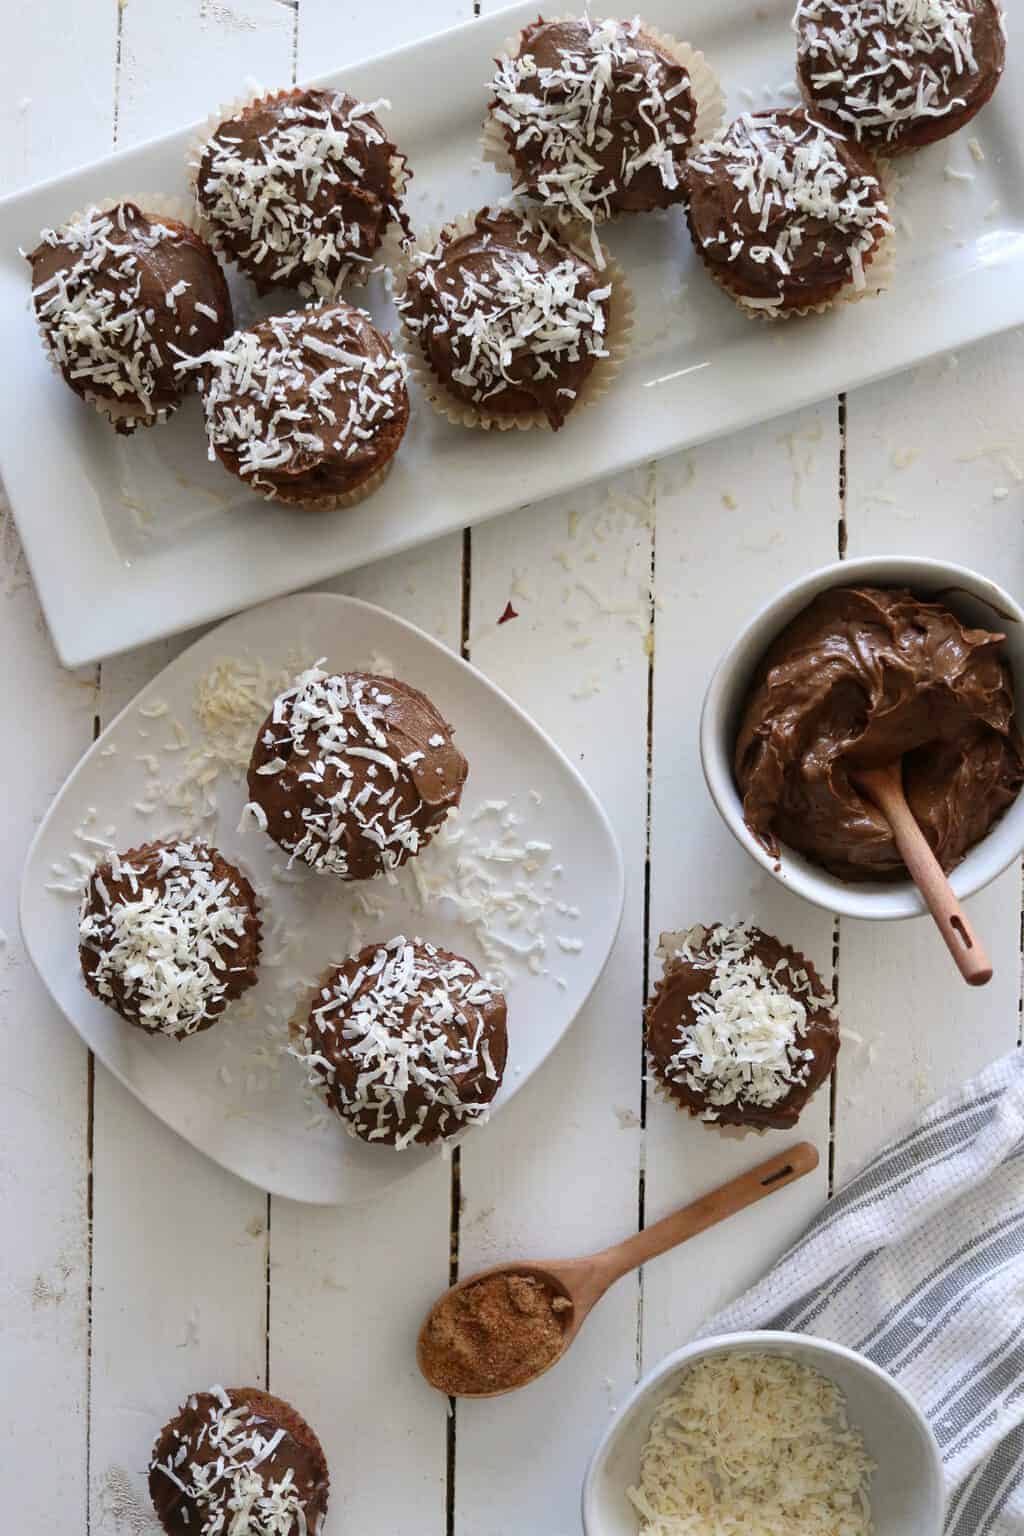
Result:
pixel 584 1281
pixel 884 788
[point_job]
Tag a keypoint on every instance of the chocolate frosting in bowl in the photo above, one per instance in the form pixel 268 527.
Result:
pixel 862 677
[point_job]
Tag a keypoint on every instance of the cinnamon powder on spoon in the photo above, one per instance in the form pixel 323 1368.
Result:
pixel 496 1334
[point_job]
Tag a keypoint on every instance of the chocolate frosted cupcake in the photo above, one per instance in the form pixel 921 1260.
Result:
pixel 786 215
pixel 353 774
pixel 169 935
pixel 896 75
pixel 238 1461
pixel 406 1042
pixel 300 188
pixel 121 296
pixel 510 324
pixel 307 408
pixel 595 118
pixel 740 1029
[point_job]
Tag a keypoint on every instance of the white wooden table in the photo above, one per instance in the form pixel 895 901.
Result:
pixel 134 1270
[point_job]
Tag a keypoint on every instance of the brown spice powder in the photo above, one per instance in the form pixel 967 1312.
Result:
pixel 496 1334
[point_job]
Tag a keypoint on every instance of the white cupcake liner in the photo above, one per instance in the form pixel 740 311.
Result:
pixel 327 503
pixel 705 88
pixel 355 276
pixel 618 337
pixel 730 1132
pixel 125 415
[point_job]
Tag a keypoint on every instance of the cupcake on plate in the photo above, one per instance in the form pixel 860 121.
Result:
pixel 595 118
pixel 238 1460
pixel 300 188
pixel 788 216
pixel 406 1042
pixel 509 323
pixel 169 935
pixel 307 408
pixel 121 295
pixel 895 76
pixel 740 1029
pixel 352 774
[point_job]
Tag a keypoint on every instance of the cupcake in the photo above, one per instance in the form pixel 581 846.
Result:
pixel 169 935
pixel 238 1460
pixel 740 1029
pixel 307 408
pixel 406 1042
pixel 595 118
pixel 510 324
pixel 300 188
pixel 120 297
pixel 787 215
pixel 893 75
pixel 352 774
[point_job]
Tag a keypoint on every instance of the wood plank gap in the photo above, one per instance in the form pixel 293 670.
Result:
pixel 266 1313
pixel 833 1082
pixel 118 62
pixel 1020 990
pixel 842 529
pixel 90 1122
pixel 645 980
pixel 295 41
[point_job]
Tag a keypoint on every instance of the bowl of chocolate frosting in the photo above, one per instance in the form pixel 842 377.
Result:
pixel 855 666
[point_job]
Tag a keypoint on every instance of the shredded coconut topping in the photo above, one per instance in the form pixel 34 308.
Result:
pixel 511 319
pixel 797 188
pixel 297 200
pixel 316 386
pixel 230 1485
pixel 98 324
pixel 744 1044
pixel 753 1443
pixel 611 87
pixel 164 947
pixel 877 64
pixel 412 1018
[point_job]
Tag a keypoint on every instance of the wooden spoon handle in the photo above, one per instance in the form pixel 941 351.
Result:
pixel 710 1209
pixel 884 787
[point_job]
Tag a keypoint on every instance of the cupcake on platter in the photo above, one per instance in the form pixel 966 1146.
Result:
pixel 238 1460
pixel 406 1042
pixel 301 188
pixel 169 935
pixel 740 1028
pixel 307 408
pixel 787 215
pixel 510 323
pixel 596 118
pixel 121 294
pixel 352 774
pixel 896 75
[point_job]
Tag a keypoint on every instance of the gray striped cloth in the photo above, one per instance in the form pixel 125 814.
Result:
pixel 918 1263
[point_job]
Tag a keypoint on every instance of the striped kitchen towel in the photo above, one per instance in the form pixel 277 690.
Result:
pixel 918 1263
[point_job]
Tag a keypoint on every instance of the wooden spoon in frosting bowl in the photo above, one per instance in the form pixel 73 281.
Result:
pixel 505 1326
pixel 884 788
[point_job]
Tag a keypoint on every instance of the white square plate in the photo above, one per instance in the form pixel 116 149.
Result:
pixel 129 539
pixel 530 845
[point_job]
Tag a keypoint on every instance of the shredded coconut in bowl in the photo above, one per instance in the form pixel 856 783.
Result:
pixel 753 1445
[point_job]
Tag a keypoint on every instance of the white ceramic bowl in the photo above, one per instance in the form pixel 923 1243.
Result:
pixel 907 1497
pixel 973 598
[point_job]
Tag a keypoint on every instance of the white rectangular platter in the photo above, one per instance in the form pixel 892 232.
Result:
pixel 132 539
pixel 526 881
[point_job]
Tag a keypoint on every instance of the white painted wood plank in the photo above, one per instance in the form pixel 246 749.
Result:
pixel 929 456
pixel 56 69
pixel 737 520
pixel 557 1173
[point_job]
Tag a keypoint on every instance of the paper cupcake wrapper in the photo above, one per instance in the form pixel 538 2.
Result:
pixel 125 414
pixel 462 413
pixel 705 87
pixel 356 276
pixel 730 1132
pixel 328 503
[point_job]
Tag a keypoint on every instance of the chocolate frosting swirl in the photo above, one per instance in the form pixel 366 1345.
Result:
pixel 508 316
pixel 301 188
pixel 353 773
pixel 121 296
pixel 895 75
pixel 862 677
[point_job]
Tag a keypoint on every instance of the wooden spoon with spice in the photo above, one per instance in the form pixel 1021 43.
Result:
pixel 505 1326
pixel 884 788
